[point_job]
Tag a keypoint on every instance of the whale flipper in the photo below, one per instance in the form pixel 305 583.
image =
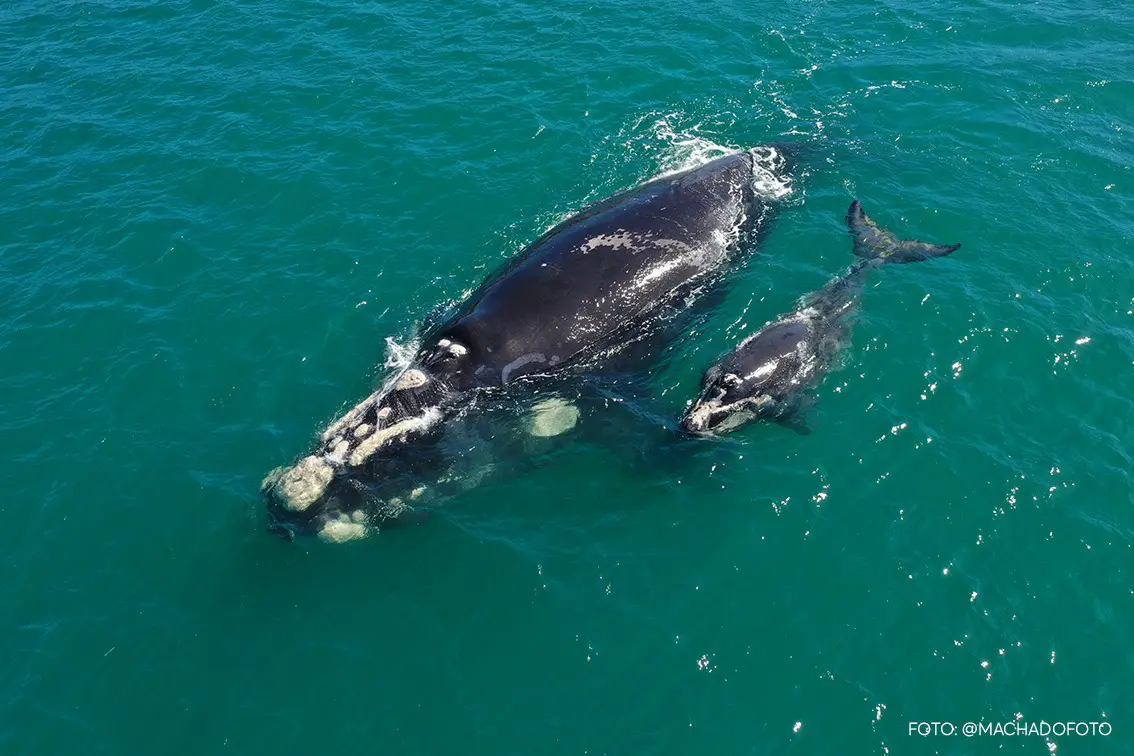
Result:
pixel 552 417
pixel 795 421
pixel 872 241
pixel 794 412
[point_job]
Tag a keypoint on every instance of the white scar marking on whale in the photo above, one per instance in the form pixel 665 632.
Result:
pixel 626 240
pixel 621 240
pixel 518 363
pixel 380 437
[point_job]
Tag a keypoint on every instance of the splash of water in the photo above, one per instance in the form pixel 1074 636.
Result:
pixel 399 356
pixel 683 147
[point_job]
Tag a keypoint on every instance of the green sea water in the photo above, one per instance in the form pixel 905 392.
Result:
pixel 214 214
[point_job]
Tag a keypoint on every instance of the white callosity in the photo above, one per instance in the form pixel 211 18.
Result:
pixel 340 437
pixel 411 379
pixel 738 412
pixel 348 442
pixel 301 485
pixel 367 448
pixel 343 529
pixel 351 418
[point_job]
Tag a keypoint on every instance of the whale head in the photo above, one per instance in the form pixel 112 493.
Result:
pixel 354 477
pixel 309 496
pixel 753 380
pixel 325 497
pixel 726 402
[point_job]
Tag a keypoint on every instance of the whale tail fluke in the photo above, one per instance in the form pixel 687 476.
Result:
pixel 871 241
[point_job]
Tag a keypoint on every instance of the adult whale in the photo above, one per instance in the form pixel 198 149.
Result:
pixel 585 286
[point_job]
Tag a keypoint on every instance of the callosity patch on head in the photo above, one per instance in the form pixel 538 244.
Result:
pixel 376 440
pixel 553 417
pixel 715 416
pixel 300 486
pixel 697 418
pixel 453 348
pixel 411 379
pixel 344 528
pixel 352 418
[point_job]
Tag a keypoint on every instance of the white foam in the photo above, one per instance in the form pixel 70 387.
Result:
pixel 685 147
pixel 768 176
pixel 398 355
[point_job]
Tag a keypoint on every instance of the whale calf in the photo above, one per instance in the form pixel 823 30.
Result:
pixel 587 286
pixel 766 375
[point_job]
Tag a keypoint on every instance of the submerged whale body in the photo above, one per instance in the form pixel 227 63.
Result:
pixel 582 288
pixel 766 375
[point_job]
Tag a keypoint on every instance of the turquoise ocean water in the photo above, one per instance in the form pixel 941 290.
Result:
pixel 214 214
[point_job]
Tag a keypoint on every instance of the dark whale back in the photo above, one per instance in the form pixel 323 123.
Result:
pixel 600 269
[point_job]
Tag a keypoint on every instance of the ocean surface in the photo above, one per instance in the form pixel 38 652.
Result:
pixel 215 215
